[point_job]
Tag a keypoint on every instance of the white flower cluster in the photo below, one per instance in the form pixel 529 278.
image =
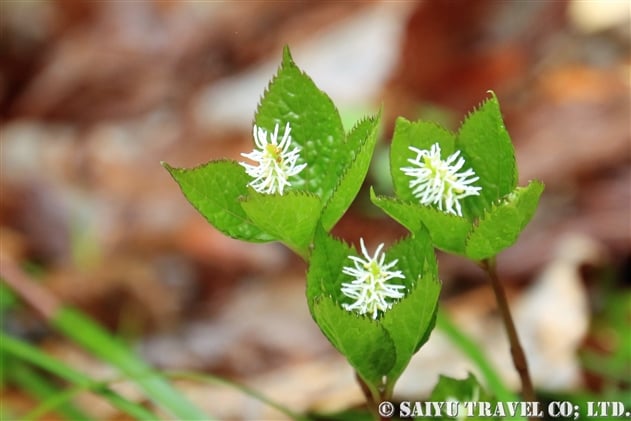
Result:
pixel 370 289
pixel 438 182
pixel 277 161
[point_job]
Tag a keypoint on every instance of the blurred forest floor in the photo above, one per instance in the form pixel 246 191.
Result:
pixel 95 94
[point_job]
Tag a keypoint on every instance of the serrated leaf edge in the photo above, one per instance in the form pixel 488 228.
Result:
pixel 502 201
pixel 413 284
pixel 350 163
pixel 288 62
pixel 404 202
pixel 477 108
pixel 491 98
pixel 172 170
pixel 254 195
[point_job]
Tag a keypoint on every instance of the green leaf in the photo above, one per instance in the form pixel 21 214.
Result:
pixel 449 389
pixel 324 276
pixel 501 225
pixel 360 144
pixel 215 190
pixel 364 342
pixel 405 213
pixel 483 142
pixel 290 218
pixel 411 320
pixel 462 390
pixel 316 126
pixel 415 256
pixel 487 148
pixel 422 135
pixel 448 232
pixel 405 327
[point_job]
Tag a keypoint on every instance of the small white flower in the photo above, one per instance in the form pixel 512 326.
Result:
pixel 438 182
pixel 370 288
pixel 276 162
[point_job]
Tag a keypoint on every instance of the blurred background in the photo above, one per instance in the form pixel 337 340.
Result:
pixel 93 95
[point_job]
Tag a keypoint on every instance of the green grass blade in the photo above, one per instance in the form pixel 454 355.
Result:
pixel 42 389
pixel 36 357
pixel 133 409
pixel 55 403
pixel 207 378
pixel 80 381
pixel 93 338
pixel 473 351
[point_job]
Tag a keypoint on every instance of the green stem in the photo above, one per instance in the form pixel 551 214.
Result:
pixel 517 352
pixel 373 397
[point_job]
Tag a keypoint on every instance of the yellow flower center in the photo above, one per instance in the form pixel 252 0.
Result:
pixel 275 152
pixel 373 268
pixel 442 173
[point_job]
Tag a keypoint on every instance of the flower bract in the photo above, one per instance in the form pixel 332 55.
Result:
pixel 276 161
pixel 370 288
pixel 435 182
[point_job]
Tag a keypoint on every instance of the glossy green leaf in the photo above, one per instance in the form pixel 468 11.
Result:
pixel 448 232
pixel 336 167
pixel 483 142
pixel 290 218
pixel 405 327
pixel 486 226
pixel 502 224
pixel 216 189
pixel 365 343
pixel 316 126
pixel 324 276
pixel 404 212
pixel 411 321
pixel 360 144
pixel 487 148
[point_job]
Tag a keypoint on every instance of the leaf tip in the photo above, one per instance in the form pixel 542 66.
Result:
pixel 287 58
pixel 402 122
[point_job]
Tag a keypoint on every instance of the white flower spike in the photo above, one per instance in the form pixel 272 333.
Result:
pixel 438 182
pixel 370 289
pixel 276 161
